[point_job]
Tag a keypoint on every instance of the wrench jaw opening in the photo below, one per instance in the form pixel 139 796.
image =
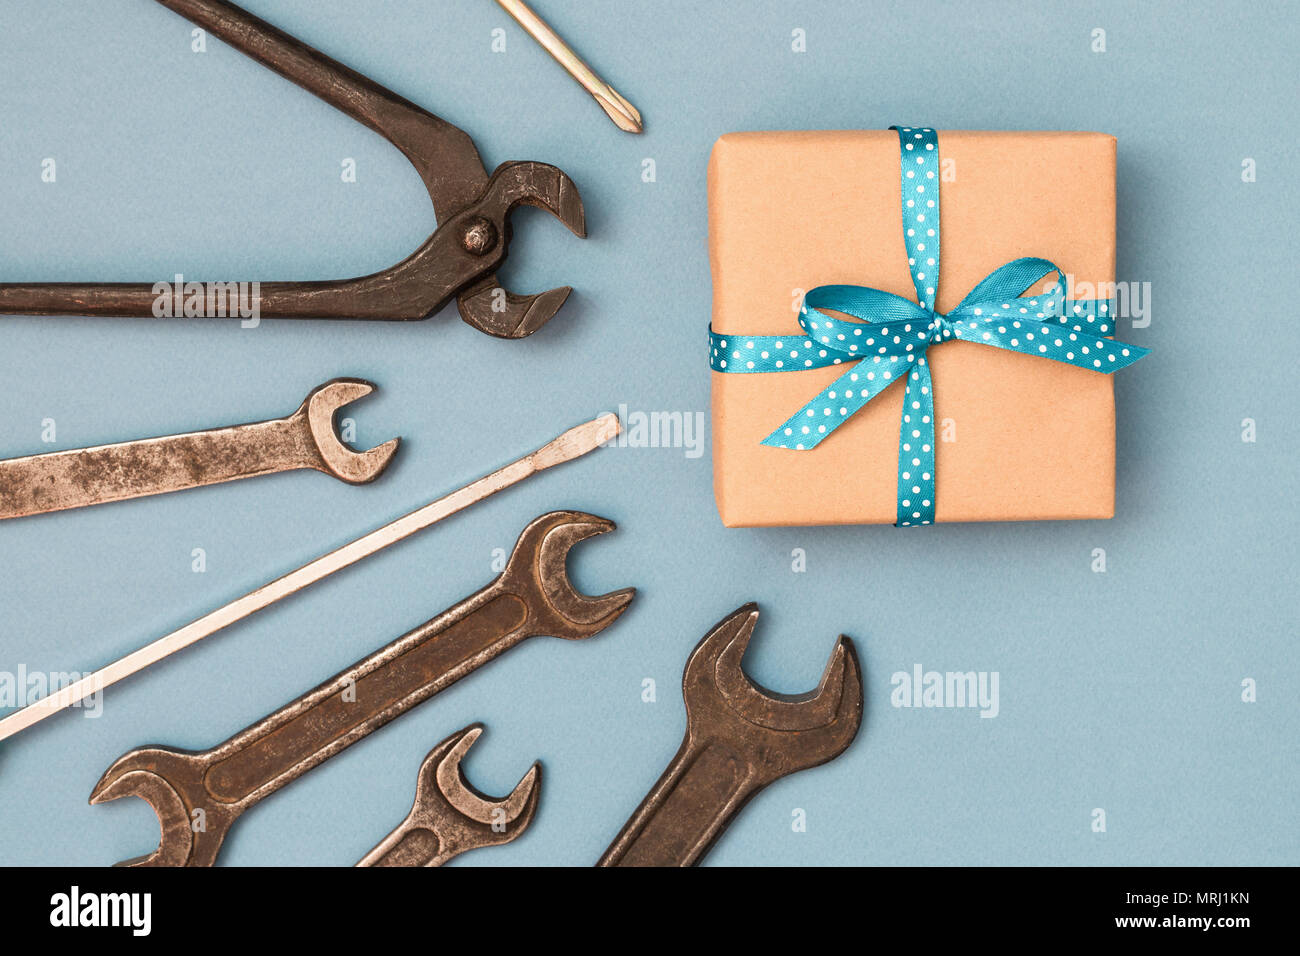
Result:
pixel 450 816
pixel 824 721
pixel 538 566
pixel 337 459
pixel 190 835
pixel 739 739
pixel 480 820
pixel 486 305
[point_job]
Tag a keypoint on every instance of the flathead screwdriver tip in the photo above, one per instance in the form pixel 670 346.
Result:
pixel 577 441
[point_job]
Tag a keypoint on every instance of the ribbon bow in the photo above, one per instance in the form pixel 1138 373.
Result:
pixel 892 338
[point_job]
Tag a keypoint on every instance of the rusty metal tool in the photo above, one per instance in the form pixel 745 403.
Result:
pixel 154 466
pixel 572 444
pixel 449 816
pixel 625 116
pixel 471 209
pixel 740 737
pixel 531 597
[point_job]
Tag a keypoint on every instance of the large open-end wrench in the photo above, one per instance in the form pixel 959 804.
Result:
pixel 531 597
pixel 740 737
pixel 153 466
pixel 449 816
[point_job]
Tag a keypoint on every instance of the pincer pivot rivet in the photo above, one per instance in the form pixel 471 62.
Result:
pixel 480 236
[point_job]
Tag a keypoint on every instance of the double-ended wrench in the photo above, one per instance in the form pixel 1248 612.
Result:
pixel 740 738
pixel 60 480
pixel 450 817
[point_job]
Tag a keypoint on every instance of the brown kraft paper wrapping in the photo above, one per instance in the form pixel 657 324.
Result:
pixel 1028 438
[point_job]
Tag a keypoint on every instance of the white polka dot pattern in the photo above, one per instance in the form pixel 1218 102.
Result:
pixel 920 190
pixel 890 342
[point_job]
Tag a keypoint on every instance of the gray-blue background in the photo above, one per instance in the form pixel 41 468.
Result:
pixel 1118 691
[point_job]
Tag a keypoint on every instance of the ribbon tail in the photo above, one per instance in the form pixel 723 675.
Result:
pixel 1071 345
pixel 832 407
pixel 916 450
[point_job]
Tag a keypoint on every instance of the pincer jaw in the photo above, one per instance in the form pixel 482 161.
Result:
pixel 337 459
pixel 504 315
pixel 542 185
pixel 486 305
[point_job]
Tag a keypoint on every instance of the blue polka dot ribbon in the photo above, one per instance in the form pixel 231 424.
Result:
pixel 892 338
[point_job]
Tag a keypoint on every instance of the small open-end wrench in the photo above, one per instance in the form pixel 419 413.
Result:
pixel 450 817
pixel 531 597
pixel 153 466
pixel 740 737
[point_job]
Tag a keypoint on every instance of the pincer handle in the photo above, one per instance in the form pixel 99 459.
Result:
pixel 429 142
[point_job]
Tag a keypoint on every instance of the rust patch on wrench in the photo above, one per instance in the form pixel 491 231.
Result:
pixel 153 466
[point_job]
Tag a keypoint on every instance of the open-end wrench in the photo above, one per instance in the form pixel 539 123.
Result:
pixel 153 466
pixel 531 597
pixel 449 816
pixel 740 737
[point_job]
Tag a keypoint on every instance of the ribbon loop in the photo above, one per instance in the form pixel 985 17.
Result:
pixel 1012 280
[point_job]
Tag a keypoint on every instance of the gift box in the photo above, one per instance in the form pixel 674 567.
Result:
pixel 1015 436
